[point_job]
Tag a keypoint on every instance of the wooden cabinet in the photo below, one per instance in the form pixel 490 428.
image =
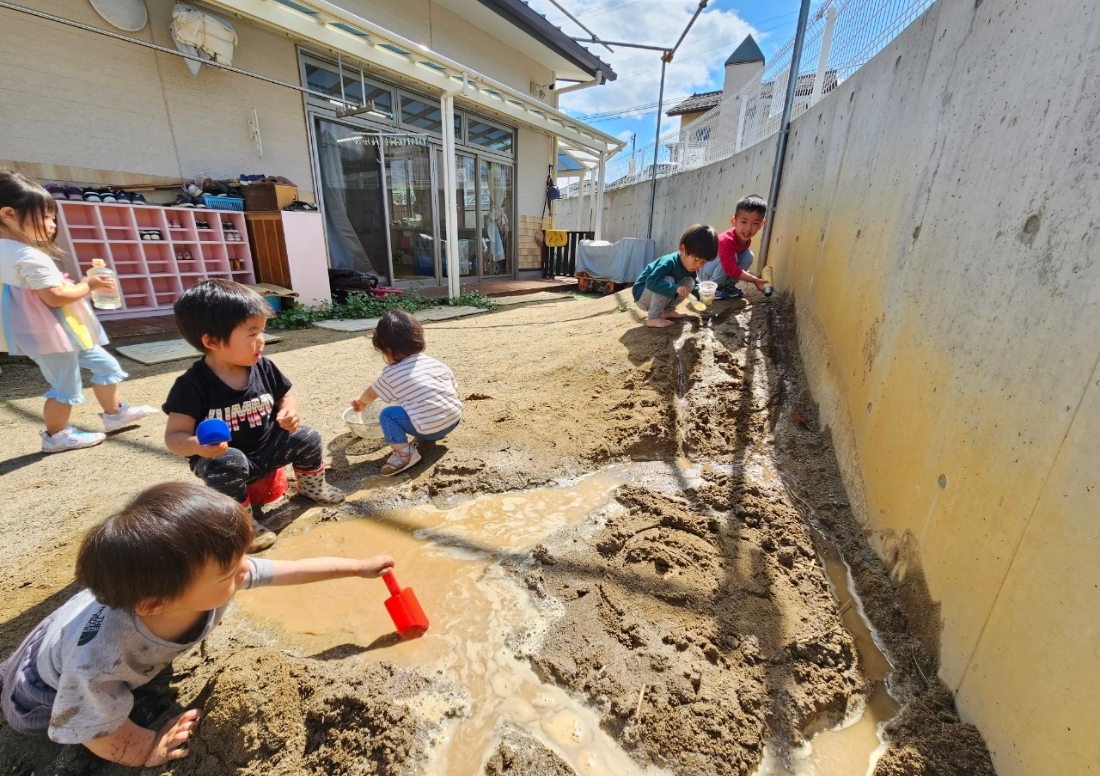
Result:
pixel 190 245
pixel 289 250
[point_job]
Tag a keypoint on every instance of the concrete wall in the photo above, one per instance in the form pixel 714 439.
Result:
pixel 937 226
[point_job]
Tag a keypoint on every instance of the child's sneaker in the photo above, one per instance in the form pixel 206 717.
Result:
pixel 126 416
pixel 729 291
pixel 400 460
pixel 69 438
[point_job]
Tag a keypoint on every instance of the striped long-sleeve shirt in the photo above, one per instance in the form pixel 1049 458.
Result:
pixel 425 388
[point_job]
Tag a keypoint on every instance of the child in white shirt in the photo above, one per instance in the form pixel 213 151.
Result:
pixel 423 390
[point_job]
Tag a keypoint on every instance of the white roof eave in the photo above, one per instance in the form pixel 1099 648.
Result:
pixel 417 62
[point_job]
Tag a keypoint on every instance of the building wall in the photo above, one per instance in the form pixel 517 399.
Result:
pixel 937 227
pixel 435 26
pixel 72 98
pixel 81 106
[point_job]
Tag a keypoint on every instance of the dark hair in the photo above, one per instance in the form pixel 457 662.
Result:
pixel 155 546
pixel 399 335
pixel 217 307
pixel 700 241
pixel 753 203
pixel 32 204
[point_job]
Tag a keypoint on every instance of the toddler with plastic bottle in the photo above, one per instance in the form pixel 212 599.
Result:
pixel 46 317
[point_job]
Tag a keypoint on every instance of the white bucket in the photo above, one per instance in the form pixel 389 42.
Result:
pixel 707 290
pixel 365 424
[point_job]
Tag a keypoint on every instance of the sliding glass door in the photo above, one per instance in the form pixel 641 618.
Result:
pixel 352 185
pixel 412 212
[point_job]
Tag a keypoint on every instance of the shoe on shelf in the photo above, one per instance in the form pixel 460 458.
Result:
pixel 126 416
pixel 262 537
pixel 69 438
pixel 400 461
pixel 91 195
pixel 73 192
pixel 107 197
pixel 122 197
pixel 57 191
pixel 137 199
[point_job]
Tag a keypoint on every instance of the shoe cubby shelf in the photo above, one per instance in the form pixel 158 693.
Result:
pixel 193 244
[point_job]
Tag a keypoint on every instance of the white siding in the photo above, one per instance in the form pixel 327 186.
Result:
pixel 80 99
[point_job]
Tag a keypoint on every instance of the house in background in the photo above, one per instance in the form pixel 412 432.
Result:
pixel 422 128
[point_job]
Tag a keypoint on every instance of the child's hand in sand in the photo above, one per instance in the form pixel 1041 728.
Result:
pixel 374 567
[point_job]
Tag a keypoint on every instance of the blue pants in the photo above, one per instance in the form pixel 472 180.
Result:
pixel 712 270
pixel 62 372
pixel 397 428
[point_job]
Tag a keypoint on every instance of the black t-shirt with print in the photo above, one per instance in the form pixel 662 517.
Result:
pixel 250 413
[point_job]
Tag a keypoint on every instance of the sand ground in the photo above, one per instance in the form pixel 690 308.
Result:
pixel 697 621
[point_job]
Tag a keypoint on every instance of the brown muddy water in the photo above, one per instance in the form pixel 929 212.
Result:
pixel 483 624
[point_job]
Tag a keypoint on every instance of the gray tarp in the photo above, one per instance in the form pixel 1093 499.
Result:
pixel 621 262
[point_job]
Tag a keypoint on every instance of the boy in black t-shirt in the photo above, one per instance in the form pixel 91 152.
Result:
pixel 234 382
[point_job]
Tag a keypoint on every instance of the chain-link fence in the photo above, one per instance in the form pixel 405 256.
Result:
pixel 840 37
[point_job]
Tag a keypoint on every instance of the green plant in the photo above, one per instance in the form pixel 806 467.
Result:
pixel 362 305
pixel 468 297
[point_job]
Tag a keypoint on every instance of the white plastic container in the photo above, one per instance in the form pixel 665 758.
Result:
pixel 105 299
pixel 365 424
pixel 707 290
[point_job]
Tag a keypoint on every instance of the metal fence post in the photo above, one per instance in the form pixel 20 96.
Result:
pixel 738 143
pixel 823 57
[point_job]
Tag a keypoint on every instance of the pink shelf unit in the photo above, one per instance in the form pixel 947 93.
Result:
pixel 193 244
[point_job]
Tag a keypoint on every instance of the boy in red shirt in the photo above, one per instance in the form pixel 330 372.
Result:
pixel 734 256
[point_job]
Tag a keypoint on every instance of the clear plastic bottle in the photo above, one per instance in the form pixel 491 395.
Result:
pixel 105 299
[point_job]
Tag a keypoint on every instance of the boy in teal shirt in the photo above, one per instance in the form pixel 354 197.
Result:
pixel 664 282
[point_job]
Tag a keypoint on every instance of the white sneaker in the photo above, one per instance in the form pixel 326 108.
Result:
pixel 69 438
pixel 125 416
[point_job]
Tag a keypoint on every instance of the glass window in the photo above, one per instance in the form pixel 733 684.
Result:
pixel 421 114
pixel 488 135
pixel 323 78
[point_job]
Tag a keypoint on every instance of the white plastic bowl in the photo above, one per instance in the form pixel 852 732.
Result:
pixel 707 290
pixel 365 424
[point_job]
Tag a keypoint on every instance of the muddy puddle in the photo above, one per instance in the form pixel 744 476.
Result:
pixel 484 623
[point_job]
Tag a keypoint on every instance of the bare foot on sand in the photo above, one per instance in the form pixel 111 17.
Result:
pixel 658 323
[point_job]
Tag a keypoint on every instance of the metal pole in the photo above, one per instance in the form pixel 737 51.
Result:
pixel 784 130
pixel 450 195
pixel 657 144
pixel 599 197
pixel 823 56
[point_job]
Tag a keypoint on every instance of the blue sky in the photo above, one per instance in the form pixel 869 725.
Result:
pixel 698 63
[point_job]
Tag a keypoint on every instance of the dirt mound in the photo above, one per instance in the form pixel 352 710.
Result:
pixel 522 755
pixel 697 619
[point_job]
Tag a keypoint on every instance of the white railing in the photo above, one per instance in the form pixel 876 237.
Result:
pixel 840 37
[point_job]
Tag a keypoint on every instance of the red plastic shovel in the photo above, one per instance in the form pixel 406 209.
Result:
pixel 404 609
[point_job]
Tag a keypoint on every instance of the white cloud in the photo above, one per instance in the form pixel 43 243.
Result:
pixel 697 67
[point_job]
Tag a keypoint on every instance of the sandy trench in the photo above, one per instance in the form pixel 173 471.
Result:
pixel 697 620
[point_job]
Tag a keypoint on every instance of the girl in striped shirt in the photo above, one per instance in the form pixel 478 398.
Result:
pixel 422 391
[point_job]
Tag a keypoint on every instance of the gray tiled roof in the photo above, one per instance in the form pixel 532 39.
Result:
pixel 695 103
